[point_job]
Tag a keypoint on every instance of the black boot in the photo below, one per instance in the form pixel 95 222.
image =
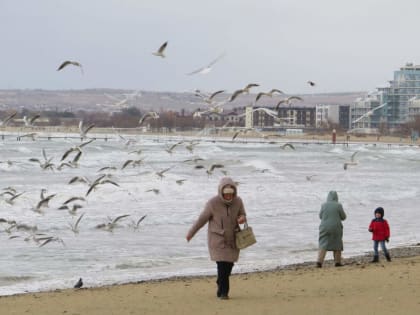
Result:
pixel 388 258
pixel 375 259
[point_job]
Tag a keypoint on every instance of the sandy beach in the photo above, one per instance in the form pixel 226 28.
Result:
pixel 359 287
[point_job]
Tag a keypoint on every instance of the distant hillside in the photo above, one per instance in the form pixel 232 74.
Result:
pixel 114 99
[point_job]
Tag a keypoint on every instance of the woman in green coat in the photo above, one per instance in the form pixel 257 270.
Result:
pixel 331 229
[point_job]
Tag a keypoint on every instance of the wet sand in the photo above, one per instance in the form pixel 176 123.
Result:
pixel 359 287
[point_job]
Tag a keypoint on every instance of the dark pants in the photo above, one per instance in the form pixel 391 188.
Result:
pixel 224 270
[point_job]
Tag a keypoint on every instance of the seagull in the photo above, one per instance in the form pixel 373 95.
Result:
pixel 133 163
pixel 71 199
pixel 172 147
pixel 287 145
pixel 111 224
pixel 369 113
pixel 73 210
pixel 288 100
pixel 78 284
pixel 351 162
pixel 245 90
pixel 208 98
pixel 309 177
pixel 43 203
pixel 311 83
pixel 180 181
pixel 84 130
pixel 49 239
pixel 47 161
pixel 30 122
pixel 161 50
pixel 100 182
pixel 69 62
pixel 242 131
pixel 6 120
pixel 77 148
pixel 162 172
pixel 155 190
pixel 75 227
pixel 149 115
pixel 136 225
pixel 213 167
pixel 207 69
pixel 11 200
pixel 259 95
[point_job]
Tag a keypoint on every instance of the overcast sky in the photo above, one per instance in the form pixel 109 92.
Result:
pixel 343 46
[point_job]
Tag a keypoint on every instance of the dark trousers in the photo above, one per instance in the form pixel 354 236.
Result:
pixel 224 270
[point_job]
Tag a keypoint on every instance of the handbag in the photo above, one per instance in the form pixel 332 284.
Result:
pixel 245 237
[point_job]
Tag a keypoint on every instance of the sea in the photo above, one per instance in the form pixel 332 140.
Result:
pixel 150 189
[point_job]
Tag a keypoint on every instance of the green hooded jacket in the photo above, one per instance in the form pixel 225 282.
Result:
pixel 331 228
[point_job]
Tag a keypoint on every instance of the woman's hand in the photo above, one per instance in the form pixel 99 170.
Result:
pixel 241 219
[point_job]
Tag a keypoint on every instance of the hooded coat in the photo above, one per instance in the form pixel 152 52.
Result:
pixel 331 228
pixel 221 216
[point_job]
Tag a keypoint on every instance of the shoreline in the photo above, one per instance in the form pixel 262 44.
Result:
pixel 405 251
pixel 359 286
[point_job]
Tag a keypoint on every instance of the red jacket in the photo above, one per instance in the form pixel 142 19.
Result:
pixel 380 229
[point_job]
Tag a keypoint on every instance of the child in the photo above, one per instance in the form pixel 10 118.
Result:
pixel 380 233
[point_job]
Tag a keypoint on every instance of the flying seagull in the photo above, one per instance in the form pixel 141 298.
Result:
pixel 7 119
pixel 69 62
pixel 84 130
pixel 352 161
pixel 259 95
pixel 161 50
pixel 30 122
pixel 207 69
pixel 149 115
pixel 245 90
pixel 208 98
pixel 311 83
pixel 288 100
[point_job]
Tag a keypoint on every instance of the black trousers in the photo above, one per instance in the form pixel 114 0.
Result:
pixel 224 269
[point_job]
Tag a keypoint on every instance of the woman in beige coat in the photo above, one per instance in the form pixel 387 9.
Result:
pixel 223 213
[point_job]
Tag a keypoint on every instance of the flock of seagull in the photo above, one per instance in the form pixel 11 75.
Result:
pixel 72 159
pixel 212 106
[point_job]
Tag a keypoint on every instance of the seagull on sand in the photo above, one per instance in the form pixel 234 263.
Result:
pixel 352 161
pixel 69 62
pixel 207 69
pixel 78 284
pixel 161 50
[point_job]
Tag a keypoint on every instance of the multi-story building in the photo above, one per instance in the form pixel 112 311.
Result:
pixel 298 116
pixel 332 114
pixel 404 87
